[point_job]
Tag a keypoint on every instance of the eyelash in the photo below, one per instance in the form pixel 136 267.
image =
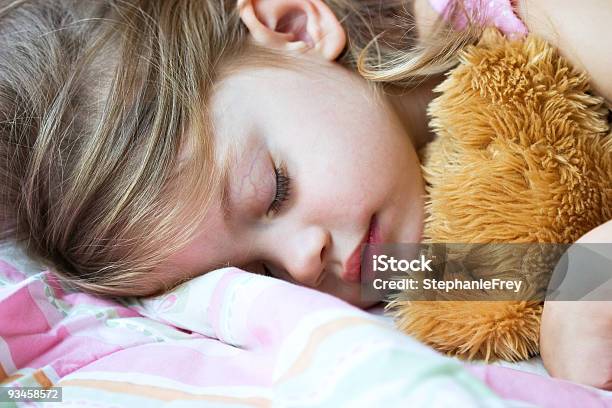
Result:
pixel 267 271
pixel 283 184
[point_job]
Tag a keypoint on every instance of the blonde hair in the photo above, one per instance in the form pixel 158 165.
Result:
pixel 98 98
pixel 385 46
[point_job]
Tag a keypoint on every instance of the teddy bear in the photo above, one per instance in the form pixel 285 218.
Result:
pixel 522 154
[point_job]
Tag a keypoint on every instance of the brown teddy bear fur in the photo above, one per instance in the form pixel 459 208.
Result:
pixel 522 155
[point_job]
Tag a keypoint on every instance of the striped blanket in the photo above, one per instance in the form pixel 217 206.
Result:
pixel 231 338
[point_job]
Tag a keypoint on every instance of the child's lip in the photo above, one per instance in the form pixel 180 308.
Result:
pixel 352 271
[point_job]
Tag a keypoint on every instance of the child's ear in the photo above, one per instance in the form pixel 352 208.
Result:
pixel 294 25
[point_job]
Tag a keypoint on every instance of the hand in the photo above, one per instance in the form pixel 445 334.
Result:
pixel 576 341
pixel 576 336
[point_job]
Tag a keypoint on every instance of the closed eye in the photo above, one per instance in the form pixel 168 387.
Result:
pixel 283 189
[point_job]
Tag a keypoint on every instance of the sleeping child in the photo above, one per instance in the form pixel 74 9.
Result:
pixel 145 143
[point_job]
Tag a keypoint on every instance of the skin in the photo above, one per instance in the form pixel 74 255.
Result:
pixel 576 336
pixel 356 160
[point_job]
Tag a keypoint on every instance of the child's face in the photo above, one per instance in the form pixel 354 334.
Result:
pixel 347 159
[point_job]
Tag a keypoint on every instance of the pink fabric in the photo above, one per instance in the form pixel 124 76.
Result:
pixel 498 13
pixel 542 391
pixel 231 334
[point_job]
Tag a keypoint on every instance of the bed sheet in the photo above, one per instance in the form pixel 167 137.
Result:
pixel 231 338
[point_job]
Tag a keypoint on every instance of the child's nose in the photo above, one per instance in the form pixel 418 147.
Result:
pixel 306 254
